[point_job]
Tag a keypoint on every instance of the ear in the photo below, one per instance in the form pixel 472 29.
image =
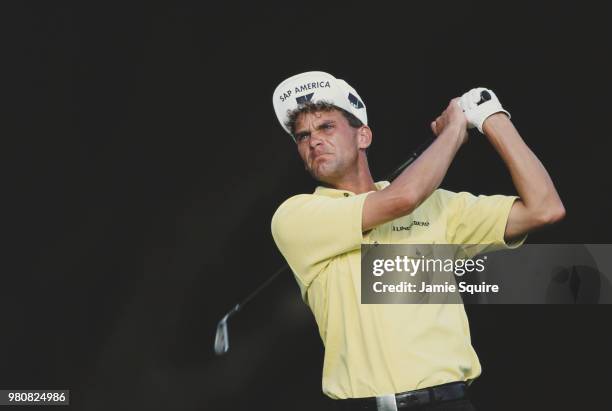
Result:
pixel 364 137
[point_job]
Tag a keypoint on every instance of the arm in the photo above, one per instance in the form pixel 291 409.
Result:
pixel 539 202
pixel 422 177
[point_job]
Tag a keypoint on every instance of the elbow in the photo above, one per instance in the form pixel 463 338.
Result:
pixel 552 214
pixel 401 205
pixel 406 203
pixel 560 213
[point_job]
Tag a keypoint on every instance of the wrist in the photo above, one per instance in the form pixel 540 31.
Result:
pixel 494 122
pixel 455 132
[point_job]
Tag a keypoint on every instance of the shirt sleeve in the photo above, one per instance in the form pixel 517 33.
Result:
pixel 478 222
pixel 310 230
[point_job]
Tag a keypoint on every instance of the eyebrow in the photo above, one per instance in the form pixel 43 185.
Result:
pixel 305 133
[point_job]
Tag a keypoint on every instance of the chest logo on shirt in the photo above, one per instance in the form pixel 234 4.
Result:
pixel 409 226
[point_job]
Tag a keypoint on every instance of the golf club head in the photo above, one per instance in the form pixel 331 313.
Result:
pixel 222 337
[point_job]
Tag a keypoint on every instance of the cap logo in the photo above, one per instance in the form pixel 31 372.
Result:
pixel 296 93
pixel 311 85
pixel 355 102
pixel 304 99
pixel 304 87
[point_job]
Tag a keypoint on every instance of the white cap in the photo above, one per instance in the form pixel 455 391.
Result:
pixel 315 86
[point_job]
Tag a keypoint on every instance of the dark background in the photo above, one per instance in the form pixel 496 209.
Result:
pixel 145 163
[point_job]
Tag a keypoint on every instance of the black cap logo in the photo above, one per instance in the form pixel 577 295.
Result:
pixel 355 102
pixel 304 99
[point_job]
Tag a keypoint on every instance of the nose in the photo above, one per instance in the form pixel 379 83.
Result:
pixel 315 139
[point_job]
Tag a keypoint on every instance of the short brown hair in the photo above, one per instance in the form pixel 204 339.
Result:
pixel 310 107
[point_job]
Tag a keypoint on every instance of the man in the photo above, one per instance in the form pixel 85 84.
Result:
pixel 390 357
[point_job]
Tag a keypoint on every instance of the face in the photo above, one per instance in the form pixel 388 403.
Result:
pixel 327 144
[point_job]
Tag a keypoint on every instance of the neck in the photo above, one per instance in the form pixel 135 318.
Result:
pixel 358 181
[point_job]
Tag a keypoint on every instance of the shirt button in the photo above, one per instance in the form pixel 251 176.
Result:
pixel 346 194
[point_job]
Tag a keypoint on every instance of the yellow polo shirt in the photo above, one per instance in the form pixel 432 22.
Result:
pixel 373 350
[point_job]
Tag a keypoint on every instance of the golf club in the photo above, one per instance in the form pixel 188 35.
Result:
pixel 222 335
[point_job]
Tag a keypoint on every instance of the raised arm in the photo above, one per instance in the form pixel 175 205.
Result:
pixel 539 202
pixel 422 177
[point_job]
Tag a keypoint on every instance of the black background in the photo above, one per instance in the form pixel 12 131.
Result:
pixel 145 163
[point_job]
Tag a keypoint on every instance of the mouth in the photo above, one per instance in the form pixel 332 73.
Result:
pixel 316 161
pixel 317 156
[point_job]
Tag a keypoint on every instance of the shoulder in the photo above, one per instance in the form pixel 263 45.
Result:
pixel 446 195
pixel 309 213
pixel 445 202
pixel 451 199
pixel 477 207
pixel 441 199
pixel 292 204
pixel 316 204
pixel 292 210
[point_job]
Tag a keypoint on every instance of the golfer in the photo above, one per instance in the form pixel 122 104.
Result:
pixel 394 356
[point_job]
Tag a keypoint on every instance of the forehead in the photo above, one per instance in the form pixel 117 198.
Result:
pixel 304 119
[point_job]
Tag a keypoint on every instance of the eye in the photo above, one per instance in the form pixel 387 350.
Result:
pixel 301 137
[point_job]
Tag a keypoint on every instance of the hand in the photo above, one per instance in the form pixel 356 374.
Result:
pixel 451 117
pixel 478 104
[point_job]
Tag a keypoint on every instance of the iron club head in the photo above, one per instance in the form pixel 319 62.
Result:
pixel 222 337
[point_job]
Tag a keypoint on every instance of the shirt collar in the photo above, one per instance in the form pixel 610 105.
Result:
pixel 332 192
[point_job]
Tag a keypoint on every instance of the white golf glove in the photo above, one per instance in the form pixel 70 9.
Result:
pixel 478 104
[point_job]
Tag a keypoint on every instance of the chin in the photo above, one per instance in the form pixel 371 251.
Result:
pixel 325 171
pixel 324 176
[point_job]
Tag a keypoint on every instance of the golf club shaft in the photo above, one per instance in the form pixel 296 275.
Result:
pixel 417 152
pixel 485 96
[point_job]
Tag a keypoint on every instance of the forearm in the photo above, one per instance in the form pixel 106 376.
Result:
pixel 423 176
pixel 417 182
pixel 530 178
